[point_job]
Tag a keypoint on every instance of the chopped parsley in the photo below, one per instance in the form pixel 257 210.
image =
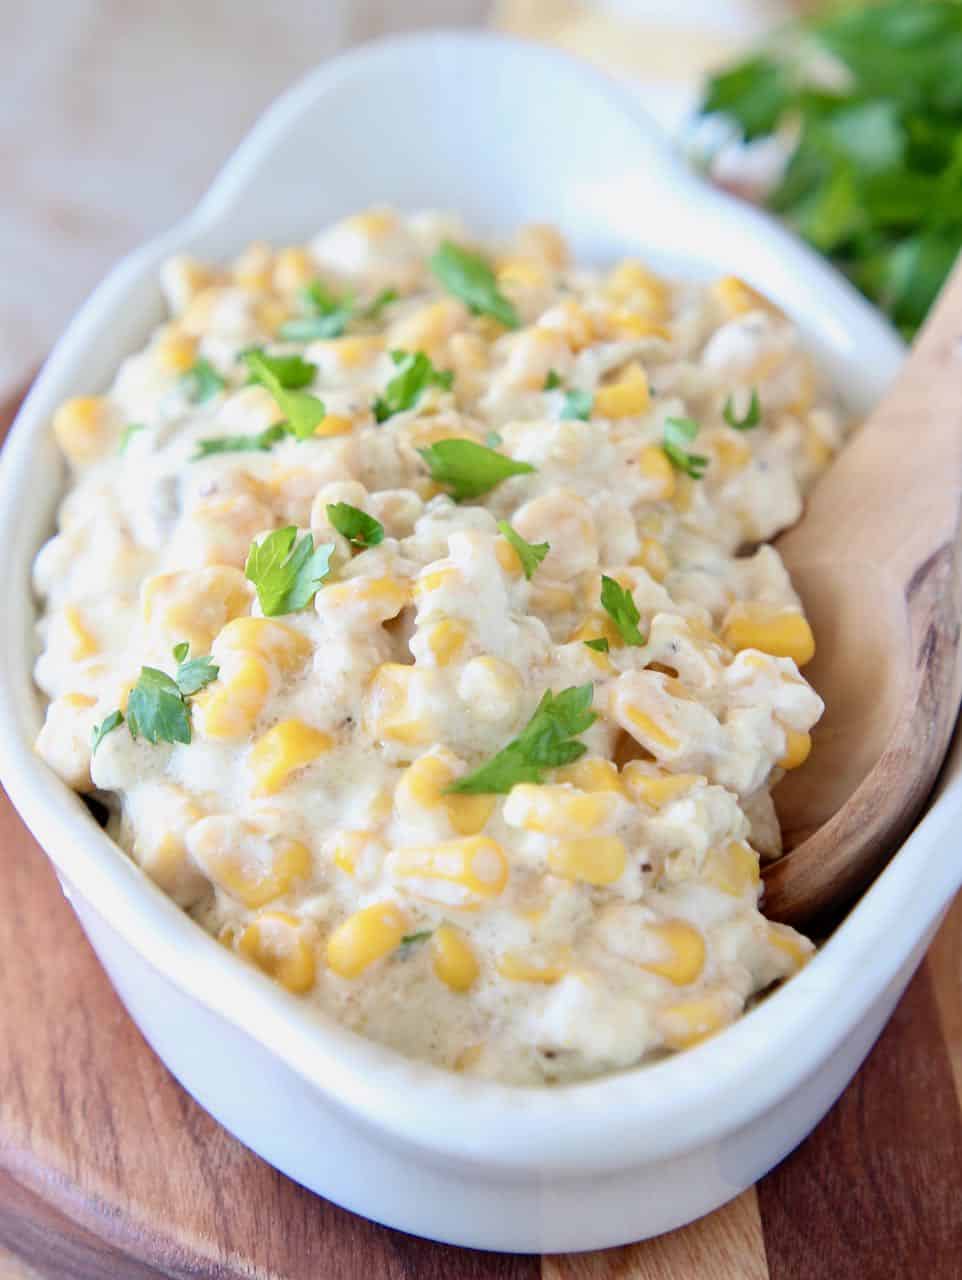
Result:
pixel 410 938
pixel 415 373
pixel 546 742
pixel 262 442
pixel 469 277
pixel 193 674
pixel 284 376
pixel 130 430
pixel 618 603
pixel 600 645
pixel 752 416
pixel 157 709
pixel 360 529
pixel 529 553
pixel 107 725
pixel 325 315
pixel 678 434
pixel 553 381
pixel 577 405
pixel 201 382
pixel 287 577
pixel 469 469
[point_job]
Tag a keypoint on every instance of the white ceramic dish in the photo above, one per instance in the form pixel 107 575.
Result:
pixel 502 132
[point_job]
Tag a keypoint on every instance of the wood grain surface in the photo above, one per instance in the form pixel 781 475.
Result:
pixel 109 1170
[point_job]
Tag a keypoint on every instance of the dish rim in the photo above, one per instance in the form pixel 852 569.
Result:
pixel 642 1114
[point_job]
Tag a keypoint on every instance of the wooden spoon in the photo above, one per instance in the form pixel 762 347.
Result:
pixel 876 559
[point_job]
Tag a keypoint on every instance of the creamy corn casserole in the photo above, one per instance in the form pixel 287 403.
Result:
pixel 411 609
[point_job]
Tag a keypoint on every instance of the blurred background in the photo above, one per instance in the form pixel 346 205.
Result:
pixel 116 114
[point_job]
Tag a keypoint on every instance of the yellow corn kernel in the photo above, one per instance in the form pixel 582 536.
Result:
pixel 736 298
pixel 558 810
pixel 508 558
pixel 653 558
pixel 597 860
pixel 365 937
pixel 631 281
pixel 183 278
pixel 276 944
pixel 733 869
pixel 629 324
pixel 425 782
pixel 783 633
pixel 387 711
pixel 81 428
pixel 523 273
pixel 543 243
pixel 293 269
pixel 532 964
pixel 252 270
pixel 282 750
pixel 370 599
pixel 81 701
pixel 625 398
pixel 551 597
pixel 194 604
pixel 681 951
pixel 374 224
pixel 85 643
pixel 818 452
pixel 175 352
pixel 334 424
pixel 228 708
pixel 429 326
pixel 731 451
pixel 446 639
pixel 287 648
pixel 654 466
pixel 468 1058
pixel 684 494
pixel 784 939
pixel 597 626
pixel 591 773
pixel 797 748
pixel 254 884
pixel 654 789
pixel 346 847
pixel 574 323
pixel 434 580
pixel 688 1022
pixel 453 958
pixel 198 315
pixel 647 730
pixel 352 353
pixel 271 314
pixel 457 873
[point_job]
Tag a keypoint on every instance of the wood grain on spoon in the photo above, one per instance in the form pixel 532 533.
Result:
pixel 876 560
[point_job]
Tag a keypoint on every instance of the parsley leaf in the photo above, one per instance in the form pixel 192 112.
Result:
pixel 469 469
pixel 469 277
pixel 130 430
pixel 286 576
pixel 193 674
pixel 600 645
pixel 360 529
pixel 283 376
pixel 752 417
pixel 618 603
pixel 421 936
pixel 262 442
pixel 493 439
pixel 180 651
pixel 156 708
pixel 107 725
pixel 546 742
pixel 381 300
pixel 553 381
pixel 678 433
pixel 415 373
pixel 578 405
pixel 529 553
pixel 201 382
pixel 325 315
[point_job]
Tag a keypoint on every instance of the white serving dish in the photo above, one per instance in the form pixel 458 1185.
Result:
pixel 503 132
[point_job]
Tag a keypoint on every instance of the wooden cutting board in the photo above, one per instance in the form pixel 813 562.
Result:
pixel 109 1171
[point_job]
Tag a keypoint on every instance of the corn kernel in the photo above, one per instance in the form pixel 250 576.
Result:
pixel 654 466
pixel 373 224
pixel 653 558
pixel 387 711
pixel 546 965
pixel 798 745
pixel 353 353
pixel 591 773
pixel 229 707
pixel 453 958
pixel 626 324
pixel 368 599
pixel 523 273
pixel 435 579
pixel 194 604
pixel 175 352
pixel 736 298
pixel 731 451
pixel 346 848
pixel 551 597
pixel 688 1022
pixel 334 424
pixel 446 639
pixel 508 558
pixel 424 783
pixel 597 860
pixel 626 397
pixel 254 870
pixel 85 643
pixel 632 282
pixel 81 701
pixel 681 951
pixel 733 868
pixel 252 270
pixel 783 633
pixel 82 429
pixel 275 943
pixel 558 809
pixel 365 937
pixel 282 750
pixel 543 243
pixel 287 648
pixel 791 944
pixel 492 687
pixel 655 789
pixel 573 322
pixel 457 873
pixel 293 269
pixel 647 730
pixel 429 326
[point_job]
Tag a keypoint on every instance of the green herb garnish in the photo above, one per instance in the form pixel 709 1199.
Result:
pixel 193 674
pixel 546 742
pixel 410 938
pixel 469 469
pixel 360 529
pixel 553 381
pixel 415 373
pixel 325 315
pixel 156 708
pixel 107 725
pixel 678 434
pixel 469 277
pixel 753 414
pixel 529 553
pixel 283 376
pixel 577 405
pixel 262 442
pixel 286 576
pixel 618 603
pixel 201 382
pixel 600 645
pixel 130 430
